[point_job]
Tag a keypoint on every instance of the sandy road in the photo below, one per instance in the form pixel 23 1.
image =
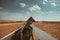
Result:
pixel 41 35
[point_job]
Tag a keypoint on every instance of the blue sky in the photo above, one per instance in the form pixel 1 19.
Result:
pixel 40 10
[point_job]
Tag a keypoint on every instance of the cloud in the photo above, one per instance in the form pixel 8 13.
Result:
pixel 34 8
pixel 1 8
pixel 53 4
pixel 44 2
pixel 22 4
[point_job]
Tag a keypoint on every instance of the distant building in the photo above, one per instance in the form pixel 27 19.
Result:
pixel 30 21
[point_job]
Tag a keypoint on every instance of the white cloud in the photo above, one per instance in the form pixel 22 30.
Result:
pixel 53 4
pixel 22 4
pixel 1 8
pixel 44 2
pixel 34 8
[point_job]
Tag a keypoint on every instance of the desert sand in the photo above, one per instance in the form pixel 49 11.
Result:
pixel 52 28
pixel 7 28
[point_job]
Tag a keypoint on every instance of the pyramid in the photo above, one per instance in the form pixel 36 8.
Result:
pixel 31 19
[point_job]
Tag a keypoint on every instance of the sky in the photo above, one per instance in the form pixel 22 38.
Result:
pixel 40 10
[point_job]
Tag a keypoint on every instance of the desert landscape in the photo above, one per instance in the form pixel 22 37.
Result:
pixel 52 28
pixel 8 27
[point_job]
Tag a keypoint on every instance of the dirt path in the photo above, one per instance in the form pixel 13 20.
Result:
pixel 41 35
